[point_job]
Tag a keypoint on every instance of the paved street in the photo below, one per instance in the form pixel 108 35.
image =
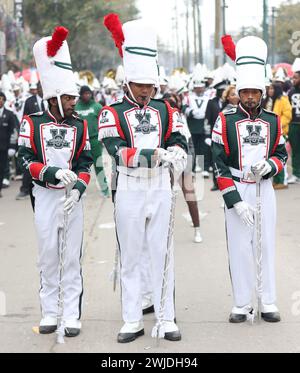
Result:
pixel 203 290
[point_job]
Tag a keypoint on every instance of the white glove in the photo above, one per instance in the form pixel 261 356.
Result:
pixel 208 141
pixel 11 152
pixel 262 168
pixel 198 114
pixel 70 202
pixel 165 156
pixel 68 177
pixel 245 212
pixel 178 152
pixel 179 166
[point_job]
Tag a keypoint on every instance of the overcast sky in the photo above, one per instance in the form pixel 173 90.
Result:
pixel 239 13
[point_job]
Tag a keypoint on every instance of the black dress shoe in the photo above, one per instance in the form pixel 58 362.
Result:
pixel 173 336
pixel 271 316
pixel 72 332
pixel 129 337
pixel 147 310
pixel 237 318
pixel 47 329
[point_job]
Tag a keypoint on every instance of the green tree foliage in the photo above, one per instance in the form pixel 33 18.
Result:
pixel 90 44
pixel 286 36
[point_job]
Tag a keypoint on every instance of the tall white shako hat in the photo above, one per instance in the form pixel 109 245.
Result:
pixel 163 79
pixel 250 56
pixel 53 63
pixel 137 44
pixel 198 77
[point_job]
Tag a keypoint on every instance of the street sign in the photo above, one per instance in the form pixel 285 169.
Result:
pixel 19 13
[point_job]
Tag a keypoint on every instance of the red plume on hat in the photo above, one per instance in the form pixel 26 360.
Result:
pixel 229 46
pixel 59 35
pixel 113 24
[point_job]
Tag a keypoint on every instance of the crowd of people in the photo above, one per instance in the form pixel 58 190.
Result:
pixel 199 96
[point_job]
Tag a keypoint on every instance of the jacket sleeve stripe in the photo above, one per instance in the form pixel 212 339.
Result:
pixel 278 135
pixel 84 138
pixel 224 183
pixel 170 122
pixel 84 176
pixel 28 119
pixel 224 134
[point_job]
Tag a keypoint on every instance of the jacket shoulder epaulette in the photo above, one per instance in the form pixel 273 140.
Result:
pixel 159 100
pixel 37 114
pixel 118 102
pixel 77 117
pixel 230 111
pixel 269 112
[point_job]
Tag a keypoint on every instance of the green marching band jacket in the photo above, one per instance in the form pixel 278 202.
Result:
pixel 45 146
pixel 238 142
pixel 131 137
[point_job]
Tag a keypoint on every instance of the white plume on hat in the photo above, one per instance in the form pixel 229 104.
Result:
pixel 109 83
pixel 296 65
pixel 120 75
pixel 177 84
pixel 198 76
pixel 280 75
pixel 53 63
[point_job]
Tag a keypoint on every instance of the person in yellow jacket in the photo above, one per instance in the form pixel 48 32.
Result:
pixel 280 105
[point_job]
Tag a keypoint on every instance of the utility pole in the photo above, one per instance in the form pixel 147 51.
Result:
pixel 195 31
pixel 274 10
pixel 199 32
pixel 187 36
pixel 217 33
pixel 224 24
pixel 265 22
pixel 177 36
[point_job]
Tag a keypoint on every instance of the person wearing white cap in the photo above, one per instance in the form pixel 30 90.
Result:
pixel 194 109
pixel 141 134
pixel 249 139
pixel 54 147
pixel 17 103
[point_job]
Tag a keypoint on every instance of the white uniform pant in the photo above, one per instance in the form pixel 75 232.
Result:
pixel 242 246
pixel 142 214
pixel 48 218
pixel 146 275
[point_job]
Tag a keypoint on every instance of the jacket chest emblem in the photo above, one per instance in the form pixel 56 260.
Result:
pixel 145 127
pixel 58 140
pixel 254 137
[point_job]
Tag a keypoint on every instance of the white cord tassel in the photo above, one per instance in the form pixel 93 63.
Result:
pixel 258 256
pixel 60 331
pixel 258 250
pixel 158 330
pixel 251 316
